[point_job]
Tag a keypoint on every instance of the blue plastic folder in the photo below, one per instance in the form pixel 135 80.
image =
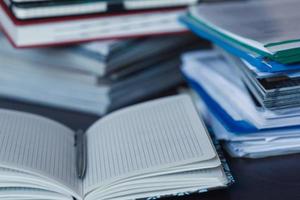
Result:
pixel 259 62
pixel 228 122
pixel 232 125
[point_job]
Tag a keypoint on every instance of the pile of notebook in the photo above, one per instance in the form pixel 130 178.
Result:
pixel 52 22
pixel 250 82
pixel 94 77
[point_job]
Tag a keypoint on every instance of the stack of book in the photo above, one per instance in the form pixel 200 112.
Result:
pixel 250 81
pixel 51 22
pixel 95 77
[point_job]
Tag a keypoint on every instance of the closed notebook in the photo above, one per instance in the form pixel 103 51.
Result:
pixel 148 150
pixel 267 28
pixel 32 9
pixel 256 60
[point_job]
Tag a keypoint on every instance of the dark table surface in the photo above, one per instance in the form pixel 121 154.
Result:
pixel 275 178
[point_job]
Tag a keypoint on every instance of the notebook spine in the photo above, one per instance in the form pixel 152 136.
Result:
pixel 223 161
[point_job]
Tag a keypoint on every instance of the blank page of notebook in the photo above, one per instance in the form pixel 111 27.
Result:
pixel 144 138
pixel 40 146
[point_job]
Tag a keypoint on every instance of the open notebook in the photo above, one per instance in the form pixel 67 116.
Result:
pixel 148 150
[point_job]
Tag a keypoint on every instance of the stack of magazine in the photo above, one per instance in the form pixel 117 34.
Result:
pixel 250 82
pixel 94 77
